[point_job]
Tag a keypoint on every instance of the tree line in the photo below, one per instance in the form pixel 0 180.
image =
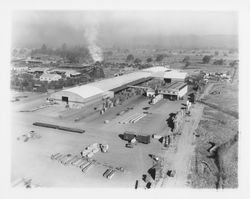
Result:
pixel 72 54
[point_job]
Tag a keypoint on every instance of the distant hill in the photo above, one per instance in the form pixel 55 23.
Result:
pixel 180 41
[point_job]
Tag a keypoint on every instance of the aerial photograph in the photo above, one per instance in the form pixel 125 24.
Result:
pixel 137 99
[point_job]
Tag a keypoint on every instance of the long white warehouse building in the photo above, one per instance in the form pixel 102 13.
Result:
pixel 98 90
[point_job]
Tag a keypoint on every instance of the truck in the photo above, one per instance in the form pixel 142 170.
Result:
pixel 128 136
pixel 143 139
pixel 156 99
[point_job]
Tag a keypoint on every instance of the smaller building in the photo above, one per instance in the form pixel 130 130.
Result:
pixel 50 77
pixel 66 72
pixel 20 68
pixel 174 91
pixel 150 92
pixel 38 70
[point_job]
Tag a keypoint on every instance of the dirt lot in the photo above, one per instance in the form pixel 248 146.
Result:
pixel 218 168
pixel 32 159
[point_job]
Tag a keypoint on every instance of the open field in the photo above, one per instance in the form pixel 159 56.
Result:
pixel 217 169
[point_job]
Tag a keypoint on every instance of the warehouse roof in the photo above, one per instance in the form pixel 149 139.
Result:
pixel 111 84
pixel 165 72
pixel 102 86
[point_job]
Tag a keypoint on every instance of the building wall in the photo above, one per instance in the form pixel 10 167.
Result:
pixel 72 97
pixel 50 78
pixel 183 91
pixel 77 100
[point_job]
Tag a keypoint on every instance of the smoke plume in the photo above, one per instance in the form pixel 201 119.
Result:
pixel 91 33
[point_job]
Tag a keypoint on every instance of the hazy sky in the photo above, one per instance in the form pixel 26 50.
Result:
pixel 32 28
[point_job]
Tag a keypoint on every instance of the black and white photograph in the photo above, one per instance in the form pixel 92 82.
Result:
pixel 119 98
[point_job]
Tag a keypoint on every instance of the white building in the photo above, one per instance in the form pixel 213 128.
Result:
pixel 175 90
pixel 50 77
pixel 96 91
pixel 20 68
pixel 167 74
pixel 68 73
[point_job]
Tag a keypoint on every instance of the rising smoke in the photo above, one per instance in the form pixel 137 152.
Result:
pixel 91 33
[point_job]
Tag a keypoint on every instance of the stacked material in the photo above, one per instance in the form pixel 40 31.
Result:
pixel 76 130
pixel 28 136
pixel 85 163
pixel 133 118
pixel 90 150
pixel 109 173
pixel 104 148
pixel 68 159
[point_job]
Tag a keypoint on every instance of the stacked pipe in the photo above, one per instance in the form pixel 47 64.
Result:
pixel 137 118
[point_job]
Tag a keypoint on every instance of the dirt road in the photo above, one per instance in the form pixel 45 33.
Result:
pixel 180 160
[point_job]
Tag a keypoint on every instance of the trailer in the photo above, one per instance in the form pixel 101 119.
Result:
pixel 128 136
pixel 143 139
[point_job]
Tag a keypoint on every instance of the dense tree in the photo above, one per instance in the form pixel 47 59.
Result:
pixel 73 55
pixel 160 57
pixel 233 63
pixel 109 53
pixel 216 53
pixel 137 61
pixel 206 59
pixel 130 58
pixel 186 64
pixel 186 59
pixel 219 62
pixel 149 59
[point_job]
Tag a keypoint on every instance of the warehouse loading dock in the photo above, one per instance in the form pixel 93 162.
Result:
pixel 65 99
pixel 174 91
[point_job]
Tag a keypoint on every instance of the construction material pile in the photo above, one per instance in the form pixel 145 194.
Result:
pixel 30 135
pixel 68 159
pixel 85 163
pixel 90 150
